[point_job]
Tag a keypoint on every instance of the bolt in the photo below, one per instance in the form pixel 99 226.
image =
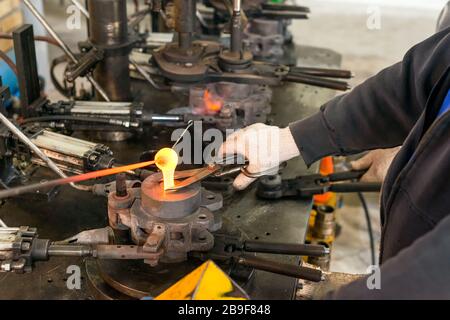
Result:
pixel 121 185
pixel 25 246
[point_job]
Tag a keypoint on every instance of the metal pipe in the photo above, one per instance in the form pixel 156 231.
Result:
pixel 81 8
pixel 289 270
pixel 70 250
pixel 108 31
pixel 185 22
pixel 236 28
pixel 2 224
pixel 165 118
pixel 237 5
pixel 9 62
pixel 184 40
pixel 8 230
pixel 13 192
pixel 63 46
pixel 286 248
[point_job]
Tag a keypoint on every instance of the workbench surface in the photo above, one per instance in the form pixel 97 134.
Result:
pixel 73 211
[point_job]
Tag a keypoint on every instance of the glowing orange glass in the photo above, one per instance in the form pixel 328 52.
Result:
pixel 166 160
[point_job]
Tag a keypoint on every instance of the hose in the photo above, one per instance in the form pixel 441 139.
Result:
pixel 369 227
pixel 49 40
pixel 9 62
pixel 68 118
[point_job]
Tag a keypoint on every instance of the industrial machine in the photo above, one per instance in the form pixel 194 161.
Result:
pixel 218 80
pixel 137 236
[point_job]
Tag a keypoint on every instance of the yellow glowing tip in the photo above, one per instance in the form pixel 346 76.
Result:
pixel 166 160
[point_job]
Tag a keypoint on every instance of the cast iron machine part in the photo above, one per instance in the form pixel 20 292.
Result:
pixel 104 59
pixel 85 115
pixel 21 247
pixel 273 187
pixel 266 32
pixel 188 62
pixel 173 223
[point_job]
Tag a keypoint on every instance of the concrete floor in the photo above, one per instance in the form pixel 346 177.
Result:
pixel 341 25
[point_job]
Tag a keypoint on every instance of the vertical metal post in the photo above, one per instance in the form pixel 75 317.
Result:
pixel 108 30
pixel 185 22
pixel 25 51
pixel 63 45
pixel 236 28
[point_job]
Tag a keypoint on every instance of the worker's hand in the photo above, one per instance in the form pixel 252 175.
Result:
pixel 265 147
pixel 377 162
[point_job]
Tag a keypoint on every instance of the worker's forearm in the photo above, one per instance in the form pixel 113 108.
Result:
pixel 380 112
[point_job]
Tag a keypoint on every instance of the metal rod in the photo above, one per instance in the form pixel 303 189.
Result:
pixel 144 74
pixel 63 46
pixel 2 224
pixel 289 270
pixel 236 28
pixel 70 250
pixel 309 250
pixel 166 118
pixel 237 5
pixel 12 192
pixel 189 124
pixel 81 8
pixel 8 230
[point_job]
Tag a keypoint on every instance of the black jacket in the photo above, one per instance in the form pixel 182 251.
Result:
pixel 399 106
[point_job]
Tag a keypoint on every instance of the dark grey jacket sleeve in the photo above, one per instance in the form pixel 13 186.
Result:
pixel 413 273
pixel 380 112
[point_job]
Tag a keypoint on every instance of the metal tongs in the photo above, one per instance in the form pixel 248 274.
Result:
pixel 273 187
pixel 225 166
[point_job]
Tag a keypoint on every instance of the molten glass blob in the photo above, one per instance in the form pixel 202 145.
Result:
pixel 166 160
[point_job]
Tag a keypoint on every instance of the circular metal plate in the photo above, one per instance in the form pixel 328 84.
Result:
pixel 133 279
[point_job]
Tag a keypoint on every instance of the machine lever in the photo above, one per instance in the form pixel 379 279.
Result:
pixel 286 269
pixel 309 250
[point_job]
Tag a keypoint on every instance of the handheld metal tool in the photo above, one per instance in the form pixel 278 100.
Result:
pixel 35 187
pixel 228 248
pixel 226 166
pixel 273 187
